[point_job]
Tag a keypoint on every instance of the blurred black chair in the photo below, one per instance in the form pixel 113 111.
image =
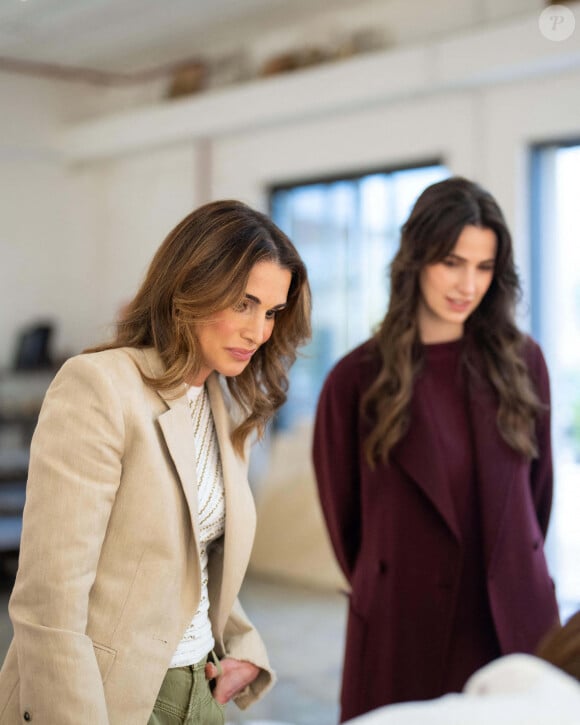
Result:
pixel 33 348
pixel 18 414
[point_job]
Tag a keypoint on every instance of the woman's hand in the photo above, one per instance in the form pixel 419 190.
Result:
pixel 236 674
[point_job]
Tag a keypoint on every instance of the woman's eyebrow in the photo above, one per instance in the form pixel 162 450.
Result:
pixel 462 259
pixel 258 301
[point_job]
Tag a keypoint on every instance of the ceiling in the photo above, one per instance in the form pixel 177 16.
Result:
pixel 131 36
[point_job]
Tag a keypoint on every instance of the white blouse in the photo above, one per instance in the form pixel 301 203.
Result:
pixel 198 639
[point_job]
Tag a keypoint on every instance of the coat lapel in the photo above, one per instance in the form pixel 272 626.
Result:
pixel 496 464
pixel 419 454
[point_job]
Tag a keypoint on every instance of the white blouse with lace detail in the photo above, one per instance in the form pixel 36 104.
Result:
pixel 198 638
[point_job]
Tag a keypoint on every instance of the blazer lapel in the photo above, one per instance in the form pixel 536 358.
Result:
pixel 240 510
pixel 240 525
pixel 175 424
pixel 176 427
pixel 418 453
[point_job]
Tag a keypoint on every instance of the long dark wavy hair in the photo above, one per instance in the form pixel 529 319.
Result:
pixel 494 343
pixel 203 267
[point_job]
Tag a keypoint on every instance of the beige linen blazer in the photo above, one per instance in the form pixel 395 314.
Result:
pixel 109 573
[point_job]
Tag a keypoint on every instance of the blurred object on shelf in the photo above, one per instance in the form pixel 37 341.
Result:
pixel 189 79
pixel 363 40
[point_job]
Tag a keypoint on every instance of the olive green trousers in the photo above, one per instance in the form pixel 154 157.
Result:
pixel 185 698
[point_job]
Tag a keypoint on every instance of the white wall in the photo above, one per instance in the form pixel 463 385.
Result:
pixel 358 140
pixel 36 214
pixel 128 205
pixel 84 204
pixel 75 239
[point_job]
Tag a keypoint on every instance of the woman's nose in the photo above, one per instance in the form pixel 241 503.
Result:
pixel 467 282
pixel 256 329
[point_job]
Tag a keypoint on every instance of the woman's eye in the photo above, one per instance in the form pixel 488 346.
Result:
pixel 449 262
pixel 271 314
pixel 241 306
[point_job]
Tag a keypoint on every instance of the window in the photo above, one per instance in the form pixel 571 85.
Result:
pixel 556 325
pixel 347 231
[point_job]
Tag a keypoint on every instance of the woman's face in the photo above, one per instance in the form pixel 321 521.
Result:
pixel 453 288
pixel 229 338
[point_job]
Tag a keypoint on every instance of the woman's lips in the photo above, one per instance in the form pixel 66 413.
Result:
pixel 240 354
pixel 459 305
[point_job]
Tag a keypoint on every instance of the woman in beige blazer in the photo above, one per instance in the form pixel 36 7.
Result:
pixel 137 514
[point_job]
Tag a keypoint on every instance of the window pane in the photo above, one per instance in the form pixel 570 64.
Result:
pixel 556 296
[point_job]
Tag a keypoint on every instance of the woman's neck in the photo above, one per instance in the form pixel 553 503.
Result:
pixel 432 334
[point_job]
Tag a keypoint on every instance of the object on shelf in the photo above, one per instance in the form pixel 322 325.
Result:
pixel 187 80
pixel 363 40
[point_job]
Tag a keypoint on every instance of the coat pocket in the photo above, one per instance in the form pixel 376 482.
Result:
pixel 105 658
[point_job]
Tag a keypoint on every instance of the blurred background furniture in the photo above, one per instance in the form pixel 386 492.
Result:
pixel 33 347
pixel 291 543
pixel 22 390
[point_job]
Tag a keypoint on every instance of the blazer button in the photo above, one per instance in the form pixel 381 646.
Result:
pixel 382 567
pixel 27 716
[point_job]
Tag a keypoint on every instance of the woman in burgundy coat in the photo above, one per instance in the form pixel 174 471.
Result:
pixel 433 459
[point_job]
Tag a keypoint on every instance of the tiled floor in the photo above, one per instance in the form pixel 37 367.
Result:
pixel 303 629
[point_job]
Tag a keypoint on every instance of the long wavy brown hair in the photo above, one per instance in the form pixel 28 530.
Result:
pixel 493 341
pixel 202 267
pixel 561 646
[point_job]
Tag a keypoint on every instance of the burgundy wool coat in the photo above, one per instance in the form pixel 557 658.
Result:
pixel 396 538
